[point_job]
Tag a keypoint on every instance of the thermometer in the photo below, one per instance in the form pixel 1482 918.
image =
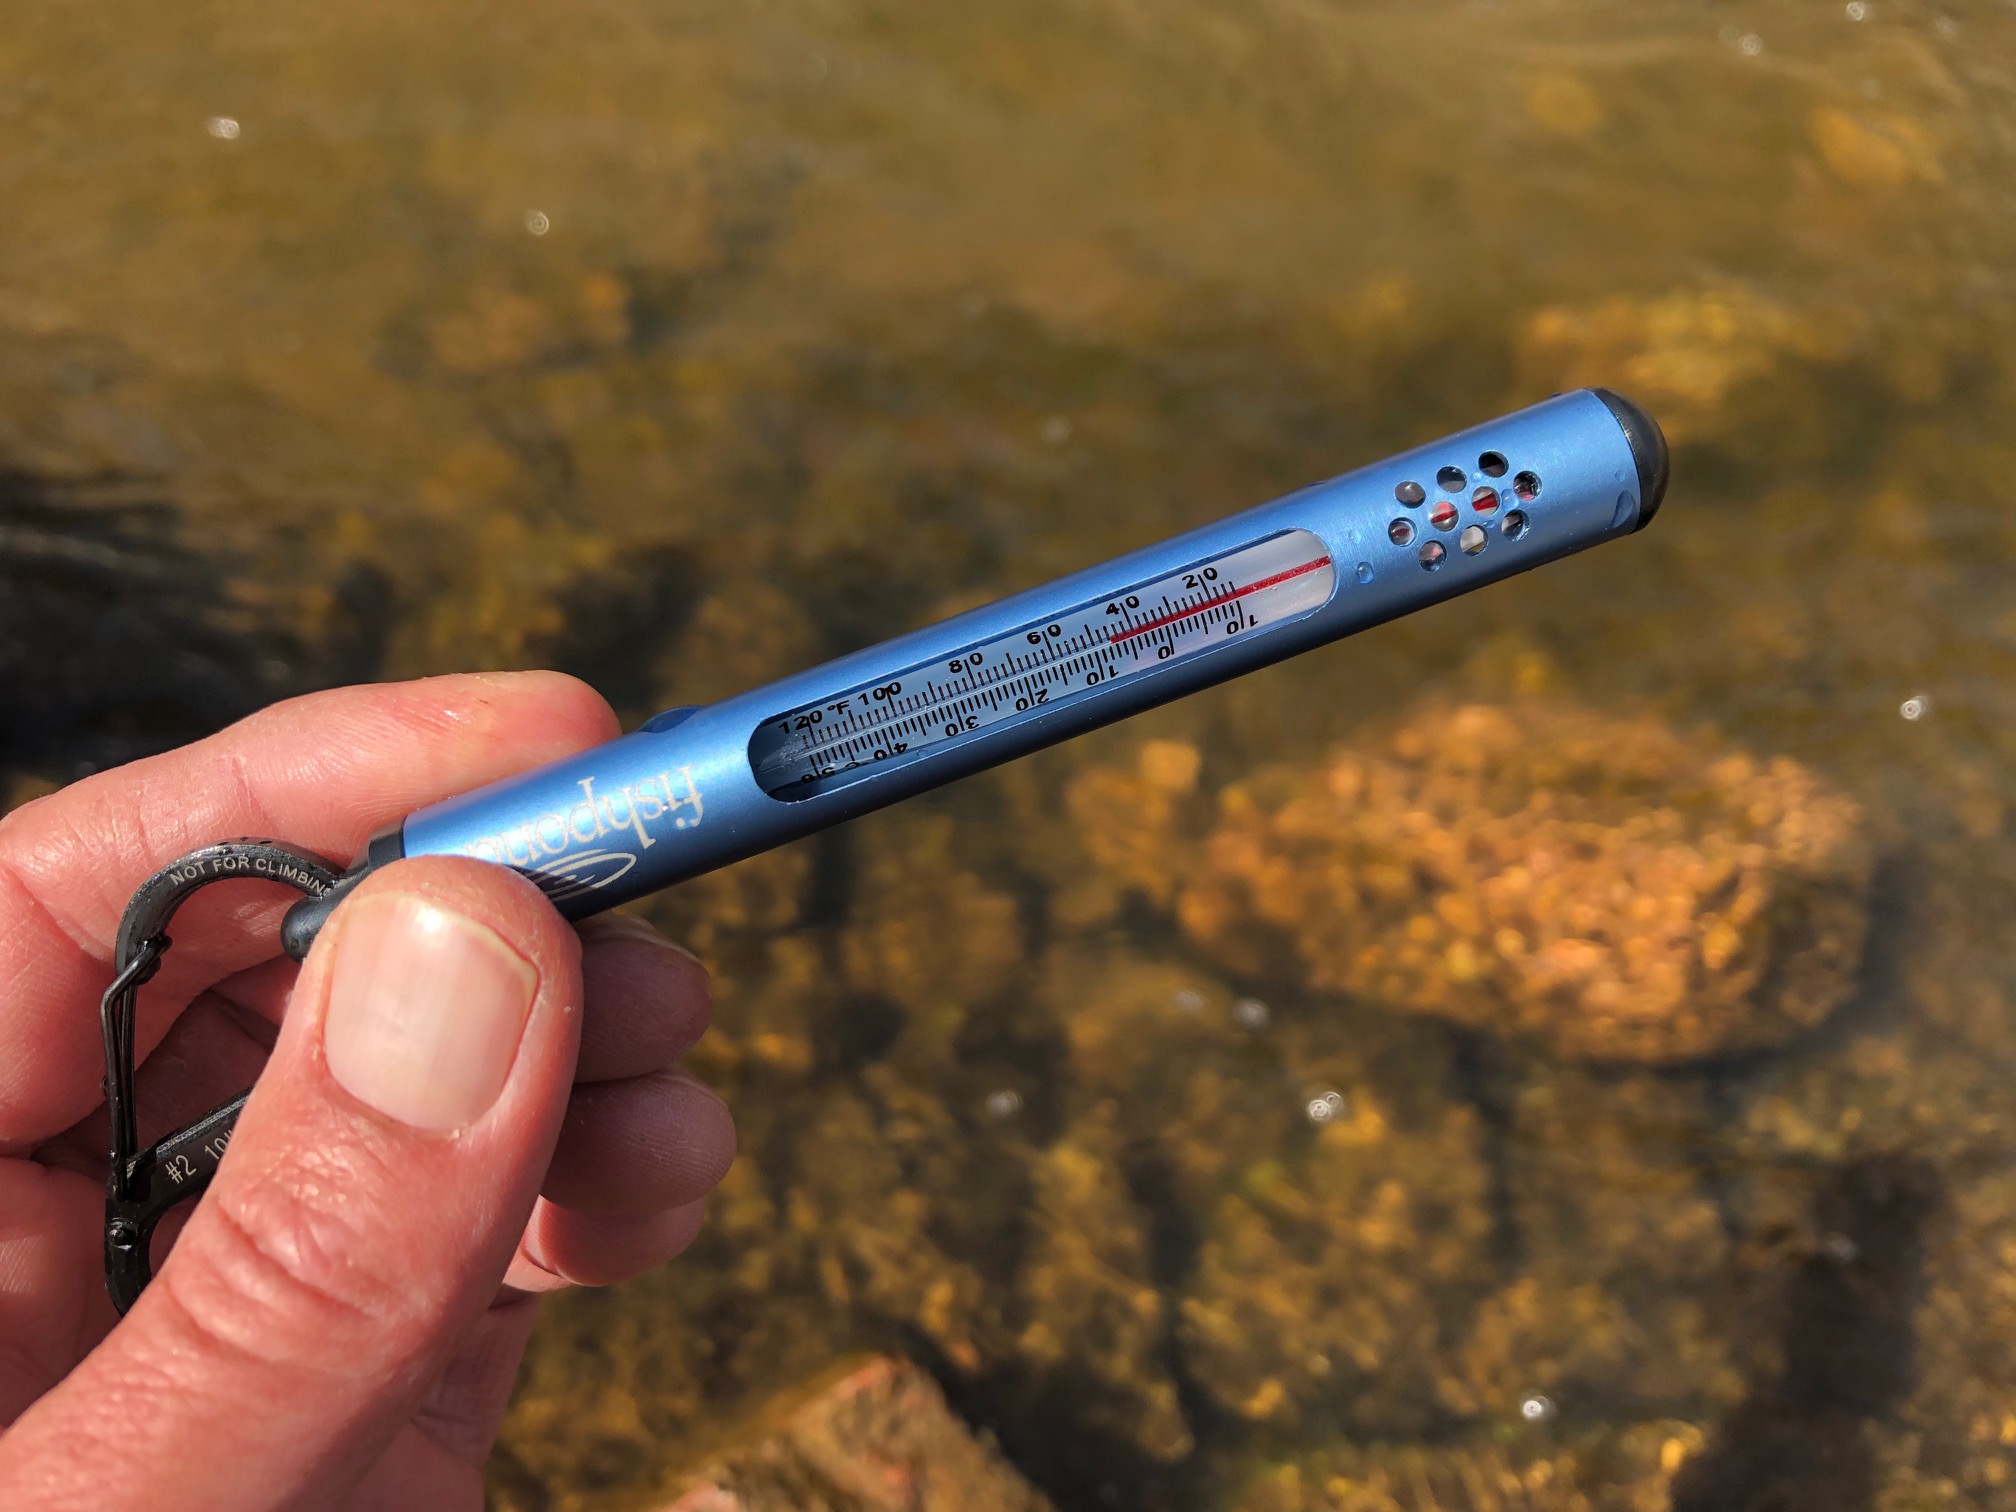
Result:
pixel 696 788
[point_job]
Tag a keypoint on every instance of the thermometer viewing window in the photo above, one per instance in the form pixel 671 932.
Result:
pixel 1142 627
pixel 694 789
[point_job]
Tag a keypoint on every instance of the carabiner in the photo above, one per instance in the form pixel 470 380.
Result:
pixel 142 1185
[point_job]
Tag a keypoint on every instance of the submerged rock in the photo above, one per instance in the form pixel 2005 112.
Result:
pixel 1095 1315
pixel 1125 816
pixel 1691 352
pixel 1624 1294
pixel 1623 1471
pixel 880 1439
pixel 1614 888
pixel 870 1198
pixel 1311 1188
pixel 1329 1279
pixel 928 933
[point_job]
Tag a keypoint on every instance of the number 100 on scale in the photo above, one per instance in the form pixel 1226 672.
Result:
pixel 1074 655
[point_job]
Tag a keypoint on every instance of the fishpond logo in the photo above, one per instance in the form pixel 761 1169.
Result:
pixel 590 844
pixel 572 876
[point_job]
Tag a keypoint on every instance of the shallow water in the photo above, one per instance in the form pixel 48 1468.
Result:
pixel 680 345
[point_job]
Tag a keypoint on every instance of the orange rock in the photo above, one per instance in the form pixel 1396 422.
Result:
pixel 1608 885
pixel 878 1439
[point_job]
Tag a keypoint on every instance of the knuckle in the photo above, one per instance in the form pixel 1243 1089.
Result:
pixel 280 1272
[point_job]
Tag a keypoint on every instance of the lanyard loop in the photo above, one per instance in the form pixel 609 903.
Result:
pixel 142 1185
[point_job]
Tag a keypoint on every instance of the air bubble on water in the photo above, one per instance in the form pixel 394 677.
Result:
pixel 1004 1103
pixel 1751 45
pixel 538 222
pixel 1858 10
pixel 1840 1249
pixel 1326 1107
pixel 820 67
pixel 973 306
pixel 1916 707
pixel 1871 89
pixel 1364 572
pixel 1057 430
pixel 224 128
pixel 1188 1000
pixel 1536 1408
pixel 1251 1013
pixel 1946 26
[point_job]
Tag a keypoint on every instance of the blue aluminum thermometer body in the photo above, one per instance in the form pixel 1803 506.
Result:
pixel 694 789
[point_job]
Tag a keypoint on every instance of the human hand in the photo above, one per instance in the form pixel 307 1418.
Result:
pixel 465 1106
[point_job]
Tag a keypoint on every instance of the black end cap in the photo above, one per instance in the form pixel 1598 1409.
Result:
pixel 303 922
pixel 1648 449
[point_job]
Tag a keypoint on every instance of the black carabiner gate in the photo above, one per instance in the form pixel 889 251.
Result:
pixel 142 1185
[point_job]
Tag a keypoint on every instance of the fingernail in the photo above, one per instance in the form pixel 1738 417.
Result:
pixel 426 1008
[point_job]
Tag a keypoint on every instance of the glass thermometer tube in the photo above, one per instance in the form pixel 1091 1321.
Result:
pixel 1141 628
pixel 696 788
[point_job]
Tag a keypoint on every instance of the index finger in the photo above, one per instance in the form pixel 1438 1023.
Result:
pixel 323 771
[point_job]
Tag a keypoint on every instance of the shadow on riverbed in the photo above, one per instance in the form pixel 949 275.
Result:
pixel 118 639
pixel 1795 1443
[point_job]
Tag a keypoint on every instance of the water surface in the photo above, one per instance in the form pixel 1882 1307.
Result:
pixel 681 345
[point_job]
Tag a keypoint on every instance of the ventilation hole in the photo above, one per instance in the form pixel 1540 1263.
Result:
pixel 1443 515
pixel 1410 494
pixel 1485 501
pixel 1515 524
pixel 1492 464
pixel 1472 540
pixel 1451 479
pixel 1527 487
pixel 1432 555
pixel 1400 532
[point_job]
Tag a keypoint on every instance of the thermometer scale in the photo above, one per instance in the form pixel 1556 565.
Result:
pixel 1085 647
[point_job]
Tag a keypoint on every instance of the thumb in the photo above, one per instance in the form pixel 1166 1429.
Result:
pixel 374 1193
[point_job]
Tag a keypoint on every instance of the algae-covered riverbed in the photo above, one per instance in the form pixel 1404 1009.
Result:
pixel 1226 1109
